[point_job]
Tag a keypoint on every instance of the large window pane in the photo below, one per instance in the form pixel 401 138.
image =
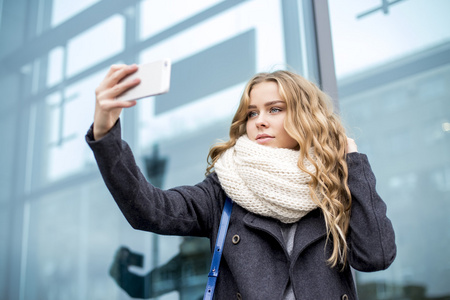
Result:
pixel 10 87
pixel 65 9
pixel 69 115
pixel 157 16
pixel 392 65
pixel 55 72
pixel 363 40
pixel 71 239
pixel 96 44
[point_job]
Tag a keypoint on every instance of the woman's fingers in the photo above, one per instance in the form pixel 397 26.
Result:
pixel 107 108
pixel 115 74
pixel 111 105
pixel 106 82
pixel 351 145
pixel 119 88
pixel 121 73
pixel 115 68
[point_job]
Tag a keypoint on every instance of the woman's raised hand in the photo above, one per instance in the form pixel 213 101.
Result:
pixel 107 109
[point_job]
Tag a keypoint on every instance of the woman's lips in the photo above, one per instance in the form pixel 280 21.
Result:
pixel 263 138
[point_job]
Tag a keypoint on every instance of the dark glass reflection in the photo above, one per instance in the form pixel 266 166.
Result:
pixel 185 273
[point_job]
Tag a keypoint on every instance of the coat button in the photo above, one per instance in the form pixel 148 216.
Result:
pixel 236 238
pixel 238 296
pixel 344 297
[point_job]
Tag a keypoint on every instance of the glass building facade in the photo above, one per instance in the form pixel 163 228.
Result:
pixel 63 237
pixel 393 72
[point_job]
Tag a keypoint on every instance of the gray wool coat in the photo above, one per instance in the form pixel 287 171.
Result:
pixel 258 265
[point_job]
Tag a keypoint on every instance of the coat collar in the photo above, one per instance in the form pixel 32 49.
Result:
pixel 310 229
pixel 266 224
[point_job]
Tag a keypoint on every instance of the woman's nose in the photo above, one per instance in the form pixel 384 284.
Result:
pixel 261 121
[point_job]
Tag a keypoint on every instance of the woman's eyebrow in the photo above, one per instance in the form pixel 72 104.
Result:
pixel 274 102
pixel 267 103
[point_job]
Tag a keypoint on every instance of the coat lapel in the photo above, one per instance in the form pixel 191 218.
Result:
pixel 266 224
pixel 310 229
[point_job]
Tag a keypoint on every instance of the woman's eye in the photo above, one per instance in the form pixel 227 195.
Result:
pixel 275 110
pixel 252 114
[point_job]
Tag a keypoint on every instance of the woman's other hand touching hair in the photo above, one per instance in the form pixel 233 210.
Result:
pixel 351 146
pixel 107 108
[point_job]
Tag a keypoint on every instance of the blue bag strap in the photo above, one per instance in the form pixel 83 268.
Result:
pixel 218 249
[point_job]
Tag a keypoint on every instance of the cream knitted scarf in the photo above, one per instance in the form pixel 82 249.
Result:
pixel 265 180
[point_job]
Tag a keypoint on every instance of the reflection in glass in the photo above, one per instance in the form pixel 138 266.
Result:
pixel 5 229
pixel 63 10
pixel 55 66
pixel 393 97
pixel 158 16
pixel 184 273
pixel 379 37
pixel 65 136
pixel 51 259
pixel 98 43
pixel 6 153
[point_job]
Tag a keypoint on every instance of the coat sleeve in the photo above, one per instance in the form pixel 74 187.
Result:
pixel 185 210
pixel 370 238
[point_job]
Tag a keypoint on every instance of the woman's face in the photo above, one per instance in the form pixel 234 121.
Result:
pixel 265 117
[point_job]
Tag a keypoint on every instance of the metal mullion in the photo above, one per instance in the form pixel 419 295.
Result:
pixel 327 72
pixel 130 56
pixel 22 162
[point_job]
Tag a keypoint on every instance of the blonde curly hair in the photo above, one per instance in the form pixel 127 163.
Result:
pixel 310 120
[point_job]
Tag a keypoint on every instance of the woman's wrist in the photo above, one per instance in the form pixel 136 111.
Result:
pixel 100 131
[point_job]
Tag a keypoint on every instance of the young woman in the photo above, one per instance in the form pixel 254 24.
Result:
pixel 305 205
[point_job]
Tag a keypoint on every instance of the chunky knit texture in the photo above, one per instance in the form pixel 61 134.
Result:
pixel 266 181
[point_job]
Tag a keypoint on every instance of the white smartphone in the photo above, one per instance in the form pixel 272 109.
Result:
pixel 155 80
